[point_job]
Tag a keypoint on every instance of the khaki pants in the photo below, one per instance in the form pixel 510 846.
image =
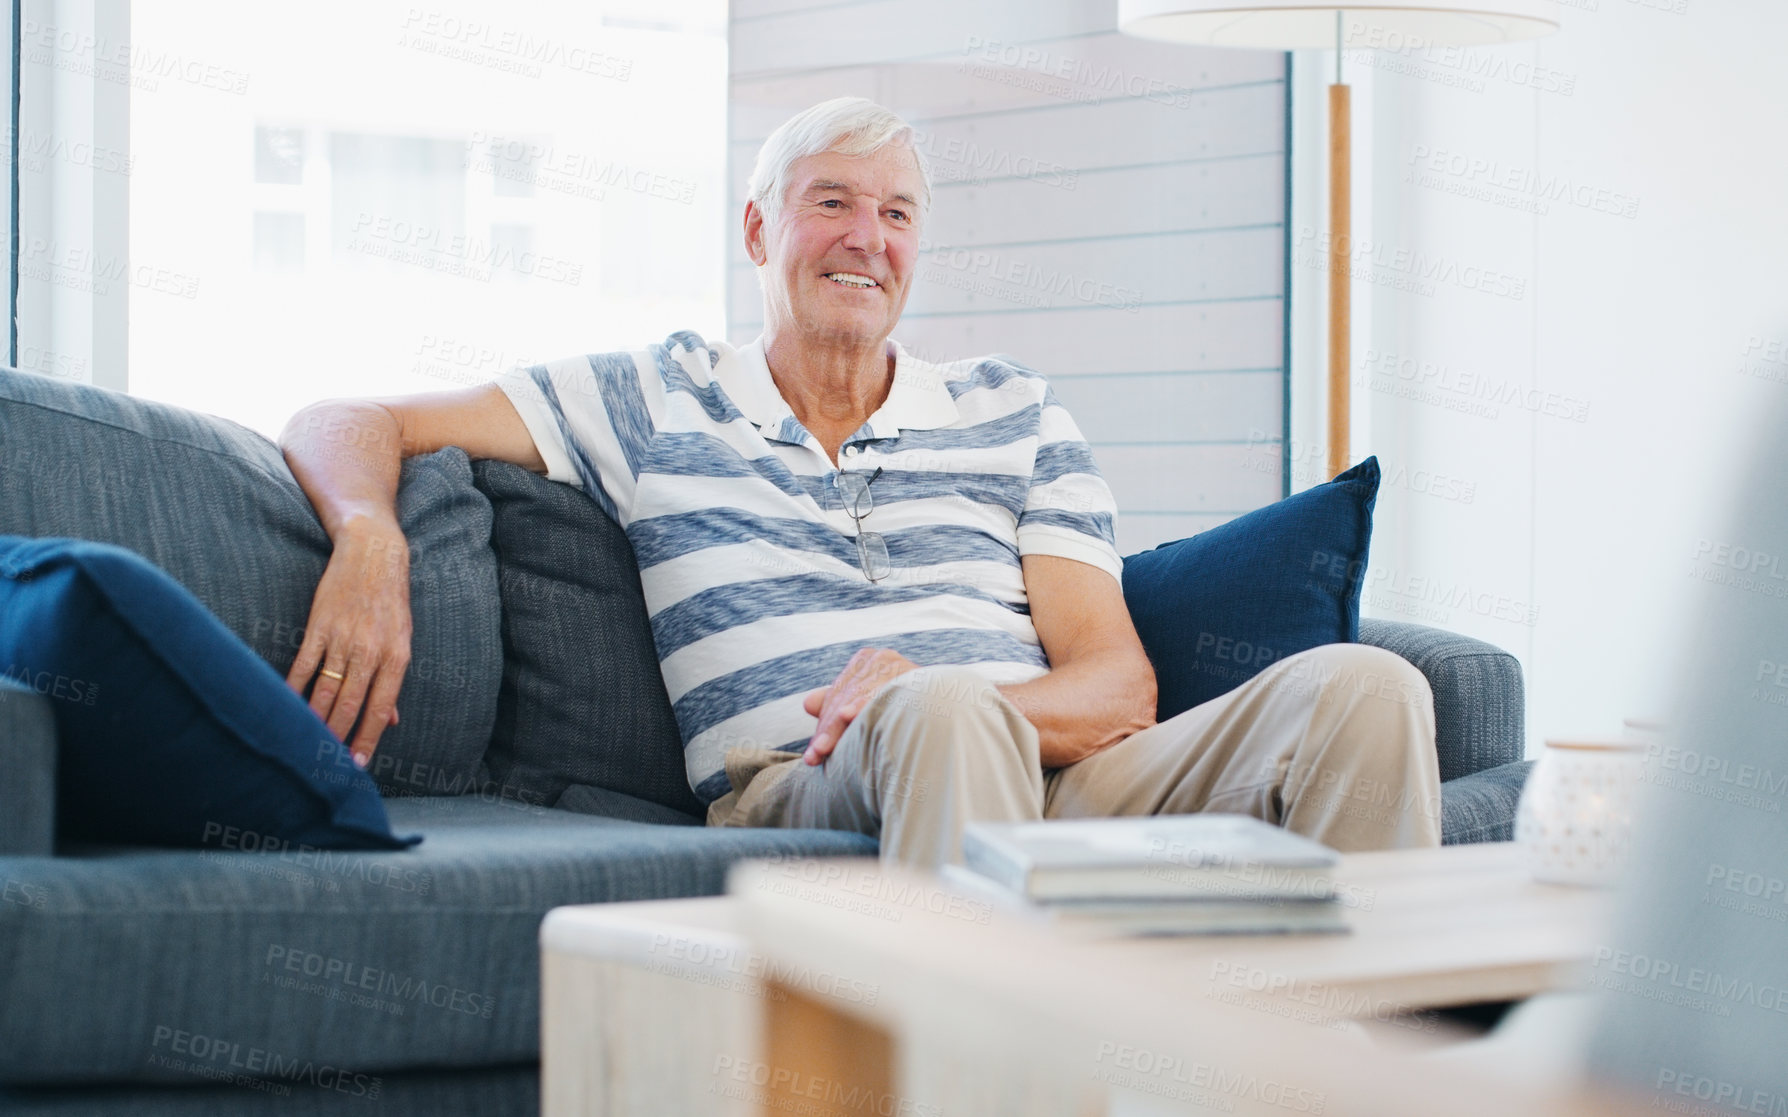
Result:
pixel 1336 743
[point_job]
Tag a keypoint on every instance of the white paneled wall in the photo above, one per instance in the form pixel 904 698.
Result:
pixel 1107 210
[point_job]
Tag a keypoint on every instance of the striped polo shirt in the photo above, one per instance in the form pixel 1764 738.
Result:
pixel 746 551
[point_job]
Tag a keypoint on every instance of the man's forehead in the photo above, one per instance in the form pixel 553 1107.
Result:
pixel 833 171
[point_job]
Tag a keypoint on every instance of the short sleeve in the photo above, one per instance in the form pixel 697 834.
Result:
pixel 1069 511
pixel 592 419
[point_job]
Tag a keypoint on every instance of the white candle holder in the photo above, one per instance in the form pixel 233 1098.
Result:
pixel 1576 812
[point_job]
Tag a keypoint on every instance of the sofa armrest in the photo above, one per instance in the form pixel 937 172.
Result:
pixel 28 757
pixel 1481 807
pixel 1480 705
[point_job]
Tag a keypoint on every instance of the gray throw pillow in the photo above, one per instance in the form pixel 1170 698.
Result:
pixel 583 703
pixel 214 505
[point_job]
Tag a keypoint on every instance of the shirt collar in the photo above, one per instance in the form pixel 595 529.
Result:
pixel 919 398
pixel 747 382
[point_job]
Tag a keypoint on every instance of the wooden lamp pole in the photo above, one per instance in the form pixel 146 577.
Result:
pixel 1296 24
pixel 1340 262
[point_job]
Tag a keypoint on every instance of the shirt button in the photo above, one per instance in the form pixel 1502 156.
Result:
pixel 851 451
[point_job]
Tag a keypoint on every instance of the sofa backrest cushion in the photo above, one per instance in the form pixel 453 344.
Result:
pixel 170 730
pixel 214 505
pixel 1215 609
pixel 582 702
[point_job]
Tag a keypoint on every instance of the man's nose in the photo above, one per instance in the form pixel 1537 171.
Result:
pixel 865 232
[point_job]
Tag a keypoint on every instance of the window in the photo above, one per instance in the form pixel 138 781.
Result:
pixel 279 155
pixel 279 243
pixel 388 198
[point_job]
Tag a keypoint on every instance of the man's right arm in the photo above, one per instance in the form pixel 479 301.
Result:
pixel 347 455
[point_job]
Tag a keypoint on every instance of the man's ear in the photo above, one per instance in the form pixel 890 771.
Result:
pixel 754 234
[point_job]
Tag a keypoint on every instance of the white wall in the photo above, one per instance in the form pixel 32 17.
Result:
pixel 1107 210
pixel 1564 395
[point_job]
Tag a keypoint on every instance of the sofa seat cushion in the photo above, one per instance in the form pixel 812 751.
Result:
pixel 366 962
pixel 213 504
pixel 493 1092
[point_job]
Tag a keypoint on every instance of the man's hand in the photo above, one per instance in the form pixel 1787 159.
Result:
pixel 359 630
pixel 347 455
pixel 838 705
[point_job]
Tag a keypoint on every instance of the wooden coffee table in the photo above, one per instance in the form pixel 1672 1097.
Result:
pixel 820 987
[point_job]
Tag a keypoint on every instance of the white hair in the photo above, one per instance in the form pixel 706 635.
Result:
pixel 847 125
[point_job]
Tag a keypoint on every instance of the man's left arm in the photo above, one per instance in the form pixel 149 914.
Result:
pixel 1100 687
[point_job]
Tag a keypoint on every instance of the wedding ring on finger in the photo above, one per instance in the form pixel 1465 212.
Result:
pixel 336 675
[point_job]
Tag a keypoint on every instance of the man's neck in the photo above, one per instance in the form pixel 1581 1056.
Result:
pixel 830 388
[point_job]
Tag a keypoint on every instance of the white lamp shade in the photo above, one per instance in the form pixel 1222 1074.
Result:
pixel 1380 24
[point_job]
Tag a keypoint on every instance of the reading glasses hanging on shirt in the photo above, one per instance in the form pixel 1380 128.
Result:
pixel 872 549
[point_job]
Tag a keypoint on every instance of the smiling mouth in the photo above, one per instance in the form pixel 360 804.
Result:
pixel 852 279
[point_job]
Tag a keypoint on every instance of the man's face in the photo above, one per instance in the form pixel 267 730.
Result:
pixel 838 258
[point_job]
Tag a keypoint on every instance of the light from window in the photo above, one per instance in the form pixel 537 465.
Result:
pixel 397 197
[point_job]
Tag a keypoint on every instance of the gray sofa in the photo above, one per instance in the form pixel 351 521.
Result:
pixel 538 758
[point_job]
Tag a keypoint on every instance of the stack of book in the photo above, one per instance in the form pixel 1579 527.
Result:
pixel 1161 875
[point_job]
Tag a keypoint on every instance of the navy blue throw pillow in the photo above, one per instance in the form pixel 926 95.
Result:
pixel 171 730
pixel 1215 609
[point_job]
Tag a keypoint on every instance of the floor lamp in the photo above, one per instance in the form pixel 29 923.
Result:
pixel 1381 25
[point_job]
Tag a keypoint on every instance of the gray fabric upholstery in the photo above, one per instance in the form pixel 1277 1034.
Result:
pixel 582 700
pixel 613 804
pixel 269 951
pixel 28 757
pixel 496 1092
pixel 1479 703
pixel 1481 807
pixel 214 505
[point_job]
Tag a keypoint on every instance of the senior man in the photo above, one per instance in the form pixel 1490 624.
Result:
pixel 885 592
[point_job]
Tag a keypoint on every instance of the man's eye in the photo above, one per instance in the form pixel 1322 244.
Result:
pixel 831 202
pixel 898 214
